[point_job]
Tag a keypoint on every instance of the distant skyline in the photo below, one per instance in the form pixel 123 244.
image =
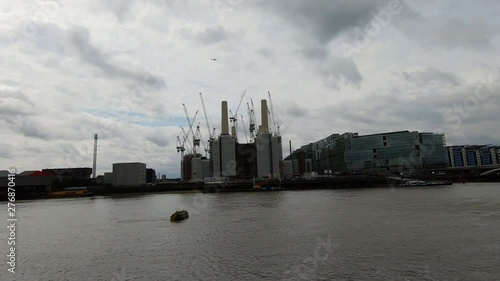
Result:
pixel 123 69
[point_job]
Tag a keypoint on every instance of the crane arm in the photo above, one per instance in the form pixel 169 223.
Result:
pixel 244 129
pixel 206 116
pixel 239 104
pixel 186 137
pixel 273 116
pixel 190 132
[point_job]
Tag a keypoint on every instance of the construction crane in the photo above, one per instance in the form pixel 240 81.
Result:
pixel 191 131
pixel 206 146
pixel 180 147
pixel 251 117
pixel 190 123
pixel 211 134
pixel 244 128
pixel 233 117
pixel 276 128
pixel 186 137
pixel 197 139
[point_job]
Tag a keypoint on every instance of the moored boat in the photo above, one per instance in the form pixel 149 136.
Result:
pixel 412 183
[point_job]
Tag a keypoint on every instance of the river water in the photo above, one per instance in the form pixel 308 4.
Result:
pixel 432 233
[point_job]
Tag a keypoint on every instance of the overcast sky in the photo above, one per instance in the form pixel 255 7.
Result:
pixel 123 69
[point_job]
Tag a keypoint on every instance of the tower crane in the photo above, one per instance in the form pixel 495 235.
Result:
pixel 206 147
pixel 211 134
pixel 244 128
pixel 233 117
pixel 196 142
pixel 180 147
pixel 186 137
pixel 276 128
pixel 198 138
pixel 251 117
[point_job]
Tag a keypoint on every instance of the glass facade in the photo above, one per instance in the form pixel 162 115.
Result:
pixel 471 158
pixel 473 155
pixel 393 151
pixel 486 156
pixel 433 150
pixel 459 161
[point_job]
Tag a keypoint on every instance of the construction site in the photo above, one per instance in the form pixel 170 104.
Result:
pixel 223 157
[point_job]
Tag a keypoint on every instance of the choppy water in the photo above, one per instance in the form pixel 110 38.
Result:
pixel 445 233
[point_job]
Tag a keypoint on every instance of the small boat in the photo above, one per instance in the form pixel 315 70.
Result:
pixel 179 215
pixel 412 183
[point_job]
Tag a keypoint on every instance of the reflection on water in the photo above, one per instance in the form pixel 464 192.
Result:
pixel 446 233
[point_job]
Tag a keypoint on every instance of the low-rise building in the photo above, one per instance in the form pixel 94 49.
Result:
pixel 129 174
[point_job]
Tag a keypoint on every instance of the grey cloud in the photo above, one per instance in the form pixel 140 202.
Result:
pixel 120 8
pixel 326 19
pixel 430 75
pixel 266 52
pixel 456 32
pixel 13 102
pixel 295 110
pixel 33 128
pixel 6 151
pixel 80 38
pixel 451 32
pixel 382 113
pixel 211 35
pixel 322 21
pixel 336 71
pixel 316 52
pixel 158 139
pixel 52 38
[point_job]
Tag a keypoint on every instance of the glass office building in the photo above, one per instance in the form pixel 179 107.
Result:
pixel 392 151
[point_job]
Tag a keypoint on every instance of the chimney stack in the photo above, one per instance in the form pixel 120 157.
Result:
pixel 225 119
pixel 264 129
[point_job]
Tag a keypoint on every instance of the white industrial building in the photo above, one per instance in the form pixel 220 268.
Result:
pixel 129 174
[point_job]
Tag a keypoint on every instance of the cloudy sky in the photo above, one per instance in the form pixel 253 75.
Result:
pixel 123 69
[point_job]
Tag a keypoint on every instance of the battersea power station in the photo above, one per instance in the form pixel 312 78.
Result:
pixel 225 157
